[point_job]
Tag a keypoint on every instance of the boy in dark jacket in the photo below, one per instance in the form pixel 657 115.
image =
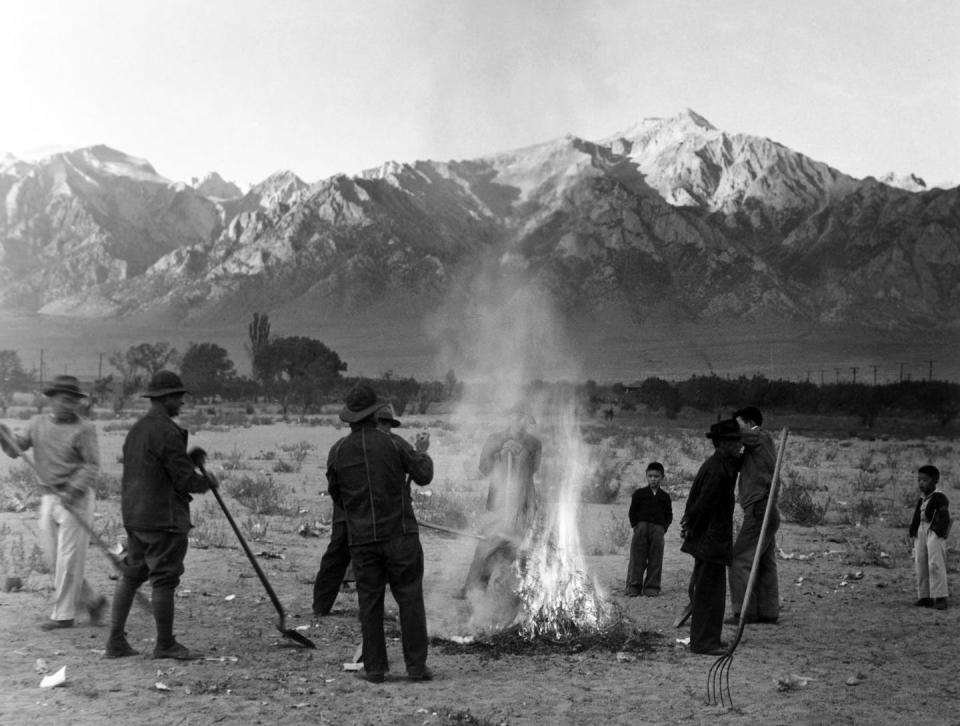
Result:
pixel 929 528
pixel 650 515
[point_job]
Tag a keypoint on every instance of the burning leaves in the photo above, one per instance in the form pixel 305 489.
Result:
pixel 617 637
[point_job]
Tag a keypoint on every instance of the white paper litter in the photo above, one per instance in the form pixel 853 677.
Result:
pixel 353 666
pixel 161 686
pixel 683 641
pixel 229 597
pixel 461 639
pixel 54 679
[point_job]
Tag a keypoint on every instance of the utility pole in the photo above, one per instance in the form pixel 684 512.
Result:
pixel 930 374
pixel 100 368
pixel 821 376
pixel 853 369
pixel 41 366
pixel 837 371
pixel 874 374
pixel 901 372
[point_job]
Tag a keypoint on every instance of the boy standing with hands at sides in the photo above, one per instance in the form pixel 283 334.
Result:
pixel 650 514
pixel 929 529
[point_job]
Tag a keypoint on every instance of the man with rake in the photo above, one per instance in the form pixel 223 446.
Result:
pixel 757 464
pixel 67 461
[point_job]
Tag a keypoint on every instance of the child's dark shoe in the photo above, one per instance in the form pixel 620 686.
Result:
pixel 940 603
pixel 924 602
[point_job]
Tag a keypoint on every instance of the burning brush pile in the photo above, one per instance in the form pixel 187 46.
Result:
pixel 540 590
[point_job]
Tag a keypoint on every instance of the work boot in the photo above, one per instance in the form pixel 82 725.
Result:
pixel 174 650
pixel 163 609
pixel 924 602
pixel 940 603
pixel 123 595
pixel 118 647
pixel 57 624
pixel 425 675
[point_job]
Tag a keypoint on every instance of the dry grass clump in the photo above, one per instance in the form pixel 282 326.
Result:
pixel 258 492
pixel 18 490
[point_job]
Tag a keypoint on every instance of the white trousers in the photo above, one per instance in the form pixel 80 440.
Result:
pixel 65 544
pixel 930 558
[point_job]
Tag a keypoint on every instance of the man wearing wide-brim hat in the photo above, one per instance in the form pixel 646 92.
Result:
pixel 158 479
pixel 707 531
pixel 67 461
pixel 368 473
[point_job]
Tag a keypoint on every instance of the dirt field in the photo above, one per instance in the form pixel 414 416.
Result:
pixel 850 648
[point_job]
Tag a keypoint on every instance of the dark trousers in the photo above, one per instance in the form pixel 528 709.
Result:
pixel 333 566
pixel 708 586
pixel 157 556
pixel 399 562
pixel 765 600
pixel 646 556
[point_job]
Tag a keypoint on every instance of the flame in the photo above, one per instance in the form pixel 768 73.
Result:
pixel 557 596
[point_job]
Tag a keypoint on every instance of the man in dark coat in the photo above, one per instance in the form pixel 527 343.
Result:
pixel 335 563
pixel 367 475
pixel 707 531
pixel 158 479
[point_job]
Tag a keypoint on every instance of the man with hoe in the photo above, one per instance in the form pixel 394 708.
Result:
pixel 158 479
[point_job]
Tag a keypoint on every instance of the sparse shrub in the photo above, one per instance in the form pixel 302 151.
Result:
pixel 257 492
pixel 798 506
pixel 254 528
pixel 210 529
pixel 234 461
pixel 282 466
pixel 864 511
pixel 18 490
pixel 867 481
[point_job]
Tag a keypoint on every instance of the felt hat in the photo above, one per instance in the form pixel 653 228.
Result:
pixel 360 403
pixel 726 430
pixel 64 384
pixel 386 413
pixel 164 383
pixel 522 409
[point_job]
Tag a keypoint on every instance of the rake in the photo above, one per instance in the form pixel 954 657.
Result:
pixel 718 677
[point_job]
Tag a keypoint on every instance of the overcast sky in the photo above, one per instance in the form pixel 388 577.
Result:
pixel 248 87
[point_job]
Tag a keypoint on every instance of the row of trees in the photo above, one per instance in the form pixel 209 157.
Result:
pixel 940 399
pixel 293 371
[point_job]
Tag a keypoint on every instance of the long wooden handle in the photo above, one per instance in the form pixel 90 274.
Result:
pixel 250 556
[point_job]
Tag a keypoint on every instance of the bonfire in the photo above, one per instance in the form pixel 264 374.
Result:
pixel 557 597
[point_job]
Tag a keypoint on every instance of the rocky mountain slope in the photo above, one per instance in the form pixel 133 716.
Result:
pixel 671 214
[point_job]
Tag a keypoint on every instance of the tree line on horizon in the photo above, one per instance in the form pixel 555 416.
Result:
pixel 304 373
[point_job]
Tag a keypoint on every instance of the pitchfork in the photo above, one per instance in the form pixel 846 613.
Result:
pixel 718 678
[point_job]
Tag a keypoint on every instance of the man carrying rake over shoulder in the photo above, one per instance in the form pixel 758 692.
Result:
pixel 757 464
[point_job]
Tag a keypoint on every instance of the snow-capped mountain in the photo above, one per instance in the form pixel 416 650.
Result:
pixel 670 212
